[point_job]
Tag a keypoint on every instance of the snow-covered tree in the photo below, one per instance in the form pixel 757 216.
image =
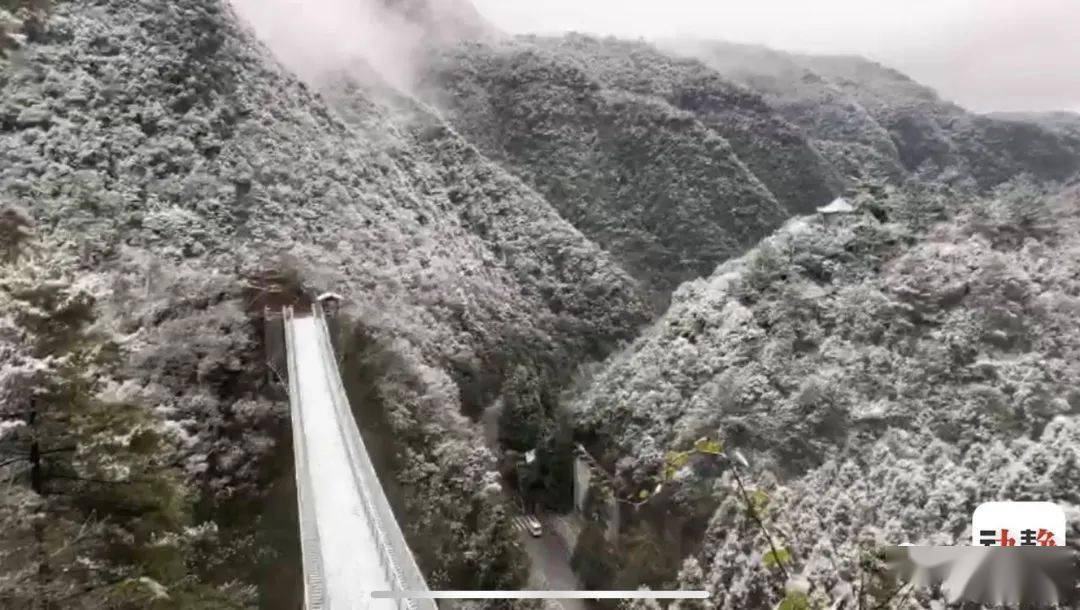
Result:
pixel 96 515
pixel 523 419
pixel 15 231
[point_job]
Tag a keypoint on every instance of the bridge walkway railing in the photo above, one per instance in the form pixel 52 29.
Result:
pixel 310 547
pixel 396 559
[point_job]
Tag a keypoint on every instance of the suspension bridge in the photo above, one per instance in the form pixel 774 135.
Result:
pixel 350 540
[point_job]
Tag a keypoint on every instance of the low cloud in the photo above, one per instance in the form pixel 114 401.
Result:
pixel 984 54
pixel 316 37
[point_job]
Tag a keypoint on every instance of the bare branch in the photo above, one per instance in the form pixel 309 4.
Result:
pixel 78 535
pixel 21 458
pixel 757 519
pixel 89 480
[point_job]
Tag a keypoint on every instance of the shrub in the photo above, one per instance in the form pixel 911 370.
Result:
pixel 15 231
pixel 1016 211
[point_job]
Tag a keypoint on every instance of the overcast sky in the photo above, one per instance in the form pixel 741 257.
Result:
pixel 984 54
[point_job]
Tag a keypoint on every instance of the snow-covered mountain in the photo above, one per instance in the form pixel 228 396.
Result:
pixel 615 240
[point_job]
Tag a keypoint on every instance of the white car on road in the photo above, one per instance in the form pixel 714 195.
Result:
pixel 534 526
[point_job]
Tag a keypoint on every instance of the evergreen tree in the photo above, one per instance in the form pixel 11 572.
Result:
pixel 594 558
pixel 94 514
pixel 646 558
pixel 15 231
pixel 692 577
pixel 522 422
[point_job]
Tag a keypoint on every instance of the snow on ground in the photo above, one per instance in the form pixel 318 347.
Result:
pixel 350 556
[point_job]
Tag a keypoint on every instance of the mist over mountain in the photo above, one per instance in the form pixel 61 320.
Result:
pixel 170 166
pixel 991 55
pixel 385 37
pixel 613 242
pixel 804 128
pixel 661 189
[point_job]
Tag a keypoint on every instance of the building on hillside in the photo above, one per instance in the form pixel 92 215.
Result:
pixel 331 304
pixel 330 301
pixel 838 207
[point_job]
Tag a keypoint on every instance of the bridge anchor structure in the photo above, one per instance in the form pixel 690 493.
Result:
pixel 350 540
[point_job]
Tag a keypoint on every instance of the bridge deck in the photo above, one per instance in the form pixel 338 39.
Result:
pixel 351 564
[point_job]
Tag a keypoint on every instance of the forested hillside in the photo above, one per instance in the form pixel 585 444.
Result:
pixel 613 241
pixel 841 129
pixel 712 136
pixel 1065 124
pixel 883 373
pixel 866 116
pixel 176 165
pixel 659 160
